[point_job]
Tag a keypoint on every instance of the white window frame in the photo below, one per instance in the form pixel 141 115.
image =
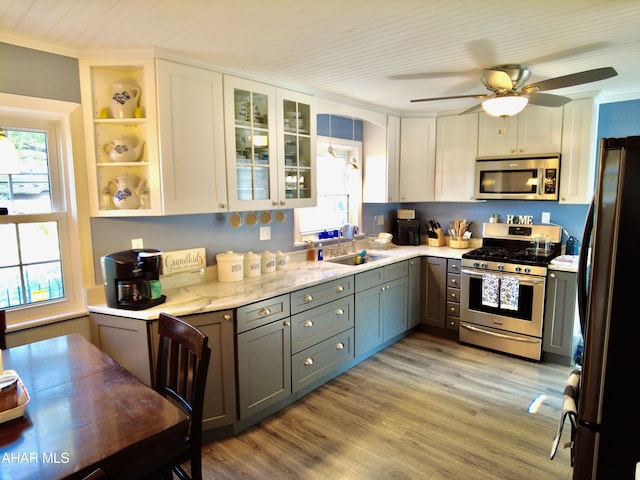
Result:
pixel 355 211
pixel 70 205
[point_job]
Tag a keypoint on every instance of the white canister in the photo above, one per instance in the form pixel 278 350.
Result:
pixel 281 260
pixel 268 262
pixel 251 264
pixel 230 266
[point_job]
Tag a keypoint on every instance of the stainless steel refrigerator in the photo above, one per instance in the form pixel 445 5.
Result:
pixel 607 440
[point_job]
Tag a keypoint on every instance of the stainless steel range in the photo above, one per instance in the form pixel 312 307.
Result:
pixel 503 286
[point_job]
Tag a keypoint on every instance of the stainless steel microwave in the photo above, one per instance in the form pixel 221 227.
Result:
pixel 517 178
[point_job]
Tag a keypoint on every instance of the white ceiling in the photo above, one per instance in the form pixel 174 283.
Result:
pixel 354 48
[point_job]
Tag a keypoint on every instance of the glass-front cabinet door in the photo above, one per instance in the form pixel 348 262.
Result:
pixel 250 112
pixel 296 149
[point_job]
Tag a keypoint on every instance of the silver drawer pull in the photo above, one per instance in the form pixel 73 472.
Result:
pixel 339 288
pixel 308 298
pixel 340 311
pixel 264 311
pixel 340 346
pixel 307 324
pixel 286 323
pixel 454 281
pixel 453 295
pixel 453 309
pixel 308 361
pixel 386 287
pixel 226 316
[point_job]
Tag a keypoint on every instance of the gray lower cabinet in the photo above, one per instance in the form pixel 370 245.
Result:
pixel 263 354
pixel 413 292
pixel 558 337
pixel 381 306
pixel 127 340
pixel 133 344
pixel 453 294
pixel 434 298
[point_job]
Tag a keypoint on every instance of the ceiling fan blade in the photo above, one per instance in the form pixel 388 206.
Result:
pixel 547 100
pixel 579 78
pixel 479 95
pixel 498 80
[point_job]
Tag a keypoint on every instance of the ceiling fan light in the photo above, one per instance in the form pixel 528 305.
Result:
pixel 505 106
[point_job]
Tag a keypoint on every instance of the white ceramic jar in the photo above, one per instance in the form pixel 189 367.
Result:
pixel 252 265
pixel 230 266
pixel 268 262
pixel 281 260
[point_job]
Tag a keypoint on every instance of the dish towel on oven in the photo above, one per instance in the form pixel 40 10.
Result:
pixel 490 290
pixel 509 293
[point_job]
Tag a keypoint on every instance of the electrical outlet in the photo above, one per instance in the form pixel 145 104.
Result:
pixel 265 233
pixel 546 217
pixel 380 220
pixel 136 243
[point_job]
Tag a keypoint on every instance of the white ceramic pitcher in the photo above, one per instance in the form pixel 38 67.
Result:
pixel 127 191
pixel 124 100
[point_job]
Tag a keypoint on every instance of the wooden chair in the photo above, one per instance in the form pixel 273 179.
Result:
pixel 3 330
pixel 181 374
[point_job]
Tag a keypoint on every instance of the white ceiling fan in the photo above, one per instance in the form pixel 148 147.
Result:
pixel 509 94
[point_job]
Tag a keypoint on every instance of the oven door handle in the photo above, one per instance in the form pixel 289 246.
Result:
pixel 500 335
pixel 523 279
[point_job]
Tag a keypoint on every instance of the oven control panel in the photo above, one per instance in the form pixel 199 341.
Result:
pixel 520 231
pixel 504 267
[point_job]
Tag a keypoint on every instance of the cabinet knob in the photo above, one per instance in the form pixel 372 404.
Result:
pixel 308 324
pixel 274 203
pixel 308 361
pixel 307 298
pixel 340 346
pixel 286 323
pixel 386 287
pixel 282 203
pixel 339 288
pixel 340 311
pixel 264 311
pixel 452 309
pixel 552 275
pixel 453 295
pixel 223 205
pixel 454 266
pixel 454 281
pixel 226 316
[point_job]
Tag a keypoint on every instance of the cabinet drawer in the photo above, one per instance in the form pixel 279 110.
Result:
pixel 395 271
pixel 453 294
pixel 369 279
pixel 454 265
pixel 262 313
pixel 318 324
pixel 453 280
pixel 321 359
pixel 319 294
pixel 453 309
pixel 453 323
pixel 381 275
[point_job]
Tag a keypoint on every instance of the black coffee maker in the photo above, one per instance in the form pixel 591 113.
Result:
pixel 132 279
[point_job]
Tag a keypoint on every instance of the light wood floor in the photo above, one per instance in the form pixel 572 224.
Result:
pixel 424 408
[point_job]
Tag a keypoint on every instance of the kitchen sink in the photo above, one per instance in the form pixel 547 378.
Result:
pixel 351 259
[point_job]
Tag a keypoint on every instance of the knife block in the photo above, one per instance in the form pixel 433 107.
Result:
pixel 437 242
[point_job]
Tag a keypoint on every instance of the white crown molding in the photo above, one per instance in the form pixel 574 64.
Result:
pixel 620 97
pixel 37 43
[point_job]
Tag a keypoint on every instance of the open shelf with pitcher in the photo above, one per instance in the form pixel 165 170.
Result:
pixel 122 142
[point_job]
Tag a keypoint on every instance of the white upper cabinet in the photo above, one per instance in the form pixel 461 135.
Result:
pixel 381 161
pixel 417 159
pixel 579 147
pixel 535 130
pixel 270 146
pixel 456 150
pixel 190 120
pixel 154 136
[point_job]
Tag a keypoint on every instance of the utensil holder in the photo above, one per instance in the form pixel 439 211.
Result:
pixel 437 242
pixel 459 243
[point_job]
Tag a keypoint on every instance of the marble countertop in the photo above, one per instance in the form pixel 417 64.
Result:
pixel 201 292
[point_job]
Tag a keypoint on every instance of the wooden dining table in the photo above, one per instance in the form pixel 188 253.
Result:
pixel 85 412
